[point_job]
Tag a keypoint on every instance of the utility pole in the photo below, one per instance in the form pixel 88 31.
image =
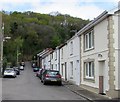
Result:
pixel 1 44
pixel 17 55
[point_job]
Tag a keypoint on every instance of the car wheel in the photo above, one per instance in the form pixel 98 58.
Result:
pixel 14 76
pixel 41 81
pixel 44 82
pixel 59 83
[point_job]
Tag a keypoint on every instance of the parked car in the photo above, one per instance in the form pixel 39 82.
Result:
pixel 35 69
pixel 9 72
pixel 51 76
pixel 38 73
pixel 17 69
pixel 22 64
pixel 33 65
pixel 21 68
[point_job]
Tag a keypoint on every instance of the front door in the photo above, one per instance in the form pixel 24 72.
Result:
pixel 77 72
pixel 101 76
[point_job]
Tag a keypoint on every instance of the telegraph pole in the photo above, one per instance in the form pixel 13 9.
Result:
pixel 1 44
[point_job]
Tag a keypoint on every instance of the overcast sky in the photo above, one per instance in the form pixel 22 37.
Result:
pixel 85 9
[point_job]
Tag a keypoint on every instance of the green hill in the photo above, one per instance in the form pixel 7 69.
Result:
pixel 32 32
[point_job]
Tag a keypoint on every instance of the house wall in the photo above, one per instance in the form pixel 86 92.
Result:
pixel 75 59
pixel 52 60
pixel 105 55
pixel 117 51
pixel 57 59
pixel 100 47
pixel 48 61
pixel 63 60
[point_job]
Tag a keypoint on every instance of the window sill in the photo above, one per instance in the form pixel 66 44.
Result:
pixel 71 54
pixel 92 80
pixel 88 49
pixel 71 77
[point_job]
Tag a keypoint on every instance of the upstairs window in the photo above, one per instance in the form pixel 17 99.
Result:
pixel 89 41
pixel 52 56
pixel 62 53
pixel 56 55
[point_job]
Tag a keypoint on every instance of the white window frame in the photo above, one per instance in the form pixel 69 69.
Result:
pixel 89 40
pixel 89 70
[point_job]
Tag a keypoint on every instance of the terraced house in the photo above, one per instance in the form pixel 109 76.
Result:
pixel 91 58
pixel 99 54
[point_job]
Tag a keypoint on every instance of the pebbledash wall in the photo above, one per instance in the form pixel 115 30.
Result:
pixel 103 55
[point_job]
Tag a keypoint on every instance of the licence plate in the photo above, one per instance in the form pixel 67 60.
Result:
pixel 53 80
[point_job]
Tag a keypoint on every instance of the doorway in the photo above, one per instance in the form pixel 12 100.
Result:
pixel 65 71
pixel 77 72
pixel 101 77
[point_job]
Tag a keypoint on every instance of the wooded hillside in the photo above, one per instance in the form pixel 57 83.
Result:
pixel 32 32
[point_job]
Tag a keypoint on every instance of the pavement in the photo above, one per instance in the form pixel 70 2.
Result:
pixel 90 96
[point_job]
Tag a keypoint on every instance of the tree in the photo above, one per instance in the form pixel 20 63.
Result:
pixel 55 41
pixel 32 32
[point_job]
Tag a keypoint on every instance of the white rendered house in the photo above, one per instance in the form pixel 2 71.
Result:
pixel 73 59
pixel 100 53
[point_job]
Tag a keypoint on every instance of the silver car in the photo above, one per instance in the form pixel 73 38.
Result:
pixel 9 72
pixel 51 76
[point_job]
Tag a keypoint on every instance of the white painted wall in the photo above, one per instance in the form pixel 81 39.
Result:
pixel 48 61
pixel 100 47
pixel 56 54
pixel 75 57
pixel 55 60
pixel 63 60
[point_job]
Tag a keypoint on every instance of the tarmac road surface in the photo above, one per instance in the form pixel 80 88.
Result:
pixel 28 87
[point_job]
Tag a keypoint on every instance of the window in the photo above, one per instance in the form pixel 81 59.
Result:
pixel 62 53
pixel 52 66
pixel 71 48
pixel 56 66
pixel 62 69
pixel 56 55
pixel 89 40
pixel 52 56
pixel 89 69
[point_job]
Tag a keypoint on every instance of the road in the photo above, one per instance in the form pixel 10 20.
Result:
pixel 28 87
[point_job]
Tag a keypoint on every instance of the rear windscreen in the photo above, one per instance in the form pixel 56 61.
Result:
pixel 53 72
